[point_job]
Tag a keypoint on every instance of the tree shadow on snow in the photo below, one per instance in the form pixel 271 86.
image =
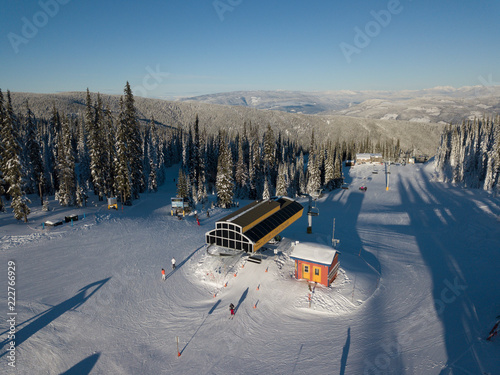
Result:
pixel 201 325
pixel 297 359
pixel 183 262
pixel 242 298
pixel 345 352
pixel 48 316
pixel 83 367
pixel 352 243
pixel 445 221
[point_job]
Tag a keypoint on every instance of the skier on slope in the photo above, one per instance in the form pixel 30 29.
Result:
pixel 494 331
pixel 231 309
pixel 173 263
pixel 163 274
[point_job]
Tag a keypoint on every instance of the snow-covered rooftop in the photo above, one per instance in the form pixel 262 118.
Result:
pixel 363 156
pixel 313 252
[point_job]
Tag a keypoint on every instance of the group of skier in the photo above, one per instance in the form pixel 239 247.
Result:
pixel 163 275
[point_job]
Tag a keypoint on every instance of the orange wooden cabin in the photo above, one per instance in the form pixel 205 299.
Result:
pixel 315 262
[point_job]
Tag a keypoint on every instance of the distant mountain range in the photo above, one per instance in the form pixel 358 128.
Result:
pixel 435 105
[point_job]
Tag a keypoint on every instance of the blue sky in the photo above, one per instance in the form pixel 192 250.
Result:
pixel 168 48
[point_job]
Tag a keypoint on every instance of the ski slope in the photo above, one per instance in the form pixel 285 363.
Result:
pixel 417 291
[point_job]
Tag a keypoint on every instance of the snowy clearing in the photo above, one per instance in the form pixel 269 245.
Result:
pixel 417 290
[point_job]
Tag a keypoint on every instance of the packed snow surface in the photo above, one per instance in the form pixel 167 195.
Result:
pixel 417 290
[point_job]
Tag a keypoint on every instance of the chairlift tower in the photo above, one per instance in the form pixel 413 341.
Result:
pixel 335 242
pixel 388 174
pixel 313 210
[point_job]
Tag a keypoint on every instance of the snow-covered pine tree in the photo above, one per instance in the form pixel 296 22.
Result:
pixel 182 187
pixel 134 142
pixel 34 166
pixel 82 159
pixel 2 152
pixel 202 188
pixel 444 152
pixel 93 122
pixel 337 174
pixel 320 163
pixel 293 186
pixel 123 183
pixel 492 175
pixel 47 142
pixel 224 183
pixel 313 172
pixel 329 165
pixel 146 145
pixel 152 157
pixel 282 180
pixel 195 153
pixel 11 165
pixel 301 177
pixel 266 193
pixel 189 188
pixel 109 152
pixel 256 171
pixel 55 129
pixel 468 154
pixel 66 165
pixel 269 150
pixel 201 191
pixel 241 174
pixel 162 160
pixel 314 176
pixel 252 181
pixel 80 195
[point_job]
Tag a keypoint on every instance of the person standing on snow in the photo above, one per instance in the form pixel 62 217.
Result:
pixel 173 263
pixel 231 309
pixel 163 274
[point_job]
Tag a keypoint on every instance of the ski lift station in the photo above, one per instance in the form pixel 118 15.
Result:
pixel 113 203
pixel 252 226
pixel 180 206
pixel 315 262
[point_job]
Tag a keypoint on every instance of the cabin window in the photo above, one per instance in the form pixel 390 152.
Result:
pixel 316 271
pixel 306 269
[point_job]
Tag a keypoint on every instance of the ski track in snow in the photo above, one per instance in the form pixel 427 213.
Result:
pixel 413 294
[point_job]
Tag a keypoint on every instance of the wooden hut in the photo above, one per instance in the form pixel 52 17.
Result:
pixel 315 262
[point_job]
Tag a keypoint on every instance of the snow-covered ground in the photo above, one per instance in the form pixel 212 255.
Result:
pixel 417 291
